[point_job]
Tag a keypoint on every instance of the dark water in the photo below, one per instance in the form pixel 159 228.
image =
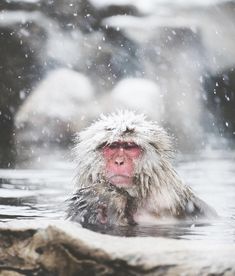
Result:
pixel 31 194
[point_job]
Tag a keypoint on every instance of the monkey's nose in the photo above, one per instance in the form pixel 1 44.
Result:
pixel 119 160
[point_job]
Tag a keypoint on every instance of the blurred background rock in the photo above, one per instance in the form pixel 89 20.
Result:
pixel 62 63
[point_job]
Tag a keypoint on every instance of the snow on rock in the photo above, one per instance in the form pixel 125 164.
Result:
pixel 61 95
pixel 52 113
pixel 138 94
pixel 64 248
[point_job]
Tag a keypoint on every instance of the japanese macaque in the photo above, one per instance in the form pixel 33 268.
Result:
pixel 124 175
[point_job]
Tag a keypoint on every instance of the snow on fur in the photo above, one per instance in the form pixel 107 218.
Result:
pixel 155 178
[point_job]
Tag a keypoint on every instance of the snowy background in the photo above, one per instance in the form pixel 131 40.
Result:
pixel 62 63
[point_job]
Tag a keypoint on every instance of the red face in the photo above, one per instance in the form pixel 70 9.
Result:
pixel 119 162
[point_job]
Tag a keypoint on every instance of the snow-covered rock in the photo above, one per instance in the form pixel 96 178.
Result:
pixel 138 94
pixel 64 248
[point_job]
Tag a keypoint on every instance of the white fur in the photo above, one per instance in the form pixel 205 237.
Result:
pixel 160 188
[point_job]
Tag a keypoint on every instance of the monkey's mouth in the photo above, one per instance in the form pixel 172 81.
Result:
pixel 121 180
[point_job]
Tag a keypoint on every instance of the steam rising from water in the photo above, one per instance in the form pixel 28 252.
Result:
pixel 41 194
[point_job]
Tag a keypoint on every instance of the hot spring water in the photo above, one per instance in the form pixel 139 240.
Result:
pixel 33 194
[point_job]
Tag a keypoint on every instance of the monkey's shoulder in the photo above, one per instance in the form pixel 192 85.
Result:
pixel 196 208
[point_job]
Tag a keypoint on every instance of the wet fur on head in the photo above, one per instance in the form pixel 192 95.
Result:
pixel 155 178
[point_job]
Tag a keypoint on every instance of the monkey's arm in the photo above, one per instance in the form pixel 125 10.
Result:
pixel 101 204
pixel 85 207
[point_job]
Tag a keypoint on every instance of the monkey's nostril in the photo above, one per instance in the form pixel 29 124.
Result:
pixel 118 162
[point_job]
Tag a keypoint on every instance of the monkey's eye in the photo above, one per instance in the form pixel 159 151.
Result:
pixel 114 145
pixel 124 145
pixel 129 146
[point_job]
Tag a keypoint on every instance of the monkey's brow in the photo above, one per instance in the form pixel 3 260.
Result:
pixel 102 145
pixel 124 144
pixel 106 144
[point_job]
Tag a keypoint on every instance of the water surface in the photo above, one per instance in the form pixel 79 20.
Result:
pixel 32 194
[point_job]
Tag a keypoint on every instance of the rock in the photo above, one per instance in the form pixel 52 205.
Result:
pixel 220 101
pixel 58 107
pixel 170 45
pixel 63 248
pixel 165 55
pixel 77 14
pixel 138 94
pixel 177 51
pixel 18 72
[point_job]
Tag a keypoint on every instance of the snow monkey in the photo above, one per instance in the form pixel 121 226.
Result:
pixel 124 175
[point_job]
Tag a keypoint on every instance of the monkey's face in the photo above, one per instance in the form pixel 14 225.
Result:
pixel 120 158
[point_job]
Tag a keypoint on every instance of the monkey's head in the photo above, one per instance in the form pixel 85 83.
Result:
pixel 123 148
